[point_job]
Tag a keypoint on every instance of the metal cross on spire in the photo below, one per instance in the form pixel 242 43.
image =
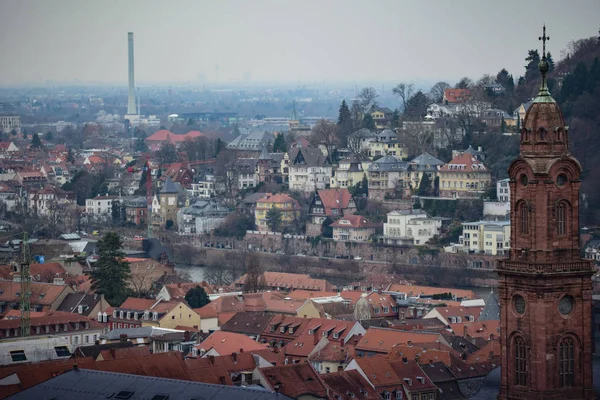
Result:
pixel 544 38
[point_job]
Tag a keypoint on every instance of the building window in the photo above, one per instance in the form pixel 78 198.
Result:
pixel 561 218
pixel 524 215
pixel 520 361
pixel 566 363
pixel 18 355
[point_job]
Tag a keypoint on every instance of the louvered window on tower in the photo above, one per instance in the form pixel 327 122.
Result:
pixel 561 219
pixel 520 361
pixel 566 363
pixel 524 213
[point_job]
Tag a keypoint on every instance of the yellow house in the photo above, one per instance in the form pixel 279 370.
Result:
pixel 350 171
pixel 382 116
pixel 135 313
pixel 464 176
pixel 298 308
pixel 389 147
pixel 423 164
pixel 288 207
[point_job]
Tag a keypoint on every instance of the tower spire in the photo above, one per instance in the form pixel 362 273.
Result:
pixel 544 93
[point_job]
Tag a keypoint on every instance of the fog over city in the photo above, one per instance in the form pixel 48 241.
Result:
pixel 70 41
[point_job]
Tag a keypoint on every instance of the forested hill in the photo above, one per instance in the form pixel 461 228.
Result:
pixel 576 87
pixel 574 82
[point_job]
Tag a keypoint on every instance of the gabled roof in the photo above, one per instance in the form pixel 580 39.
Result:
pixel 424 160
pixel 334 199
pixel 353 221
pixel 456 95
pixel 388 163
pixel 228 342
pixel 464 162
pixel 348 385
pixel 383 340
pixel 294 380
pixel 311 156
pixel 248 323
pixel 169 187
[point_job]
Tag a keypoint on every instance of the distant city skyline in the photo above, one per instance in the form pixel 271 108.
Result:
pixel 69 41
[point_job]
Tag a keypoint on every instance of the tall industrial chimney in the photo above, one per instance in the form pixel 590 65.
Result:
pixel 131 107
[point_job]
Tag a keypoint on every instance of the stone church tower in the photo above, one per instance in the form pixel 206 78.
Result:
pixel 545 287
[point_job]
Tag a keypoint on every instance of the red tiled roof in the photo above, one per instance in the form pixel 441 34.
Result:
pixel 334 199
pixel 348 385
pixel 206 312
pixel 278 198
pixel 464 162
pixel 481 329
pixel 383 340
pixel 291 281
pixel 41 293
pixel 301 346
pixel 294 380
pixel 163 135
pixel 456 95
pixel 48 318
pixel 227 343
pixel 353 221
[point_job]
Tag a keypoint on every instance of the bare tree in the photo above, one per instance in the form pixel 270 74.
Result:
pixel 325 132
pixel 255 277
pixel 418 138
pixel 405 92
pixel 437 91
pixel 355 140
pixel 357 113
pixel 367 98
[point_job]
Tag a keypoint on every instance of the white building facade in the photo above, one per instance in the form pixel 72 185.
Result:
pixel 100 206
pixel 9 123
pixel 413 227
pixel 486 237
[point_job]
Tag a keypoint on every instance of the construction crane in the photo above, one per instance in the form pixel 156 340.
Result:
pixel 25 287
pixel 146 170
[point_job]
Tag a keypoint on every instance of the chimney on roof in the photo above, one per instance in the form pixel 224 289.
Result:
pixel 178 283
pixel 241 350
pixel 405 360
pixel 465 331
pixel 211 359
pixel 222 380
pixel 234 357
pixel 123 337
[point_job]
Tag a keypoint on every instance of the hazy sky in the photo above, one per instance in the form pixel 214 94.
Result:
pixel 280 40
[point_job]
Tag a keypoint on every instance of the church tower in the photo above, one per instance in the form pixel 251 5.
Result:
pixel 545 287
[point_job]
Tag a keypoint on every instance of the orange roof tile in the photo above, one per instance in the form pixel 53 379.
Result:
pixel 353 221
pixel 227 343
pixel 464 162
pixel 163 135
pixel 383 340
pixel 334 199
pixel 428 291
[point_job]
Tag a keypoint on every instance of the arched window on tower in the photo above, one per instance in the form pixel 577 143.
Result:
pixel 561 218
pixel 566 362
pixel 520 352
pixel 524 218
pixel 542 135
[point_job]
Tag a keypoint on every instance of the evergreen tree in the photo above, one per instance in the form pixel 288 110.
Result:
pixel 550 61
pixel 220 145
pixel 279 145
pixel 274 219
pixel 531 69
pixel 197 297
pixel 140 145
pixel 36 143
pixel 48 136
pixel 503 126
pixel 70 156
pixel 396 119
pixel 368 122
pixel 416 106
pixel 345 125
pixel 111 273
pixel 115 211
pixel 424 186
